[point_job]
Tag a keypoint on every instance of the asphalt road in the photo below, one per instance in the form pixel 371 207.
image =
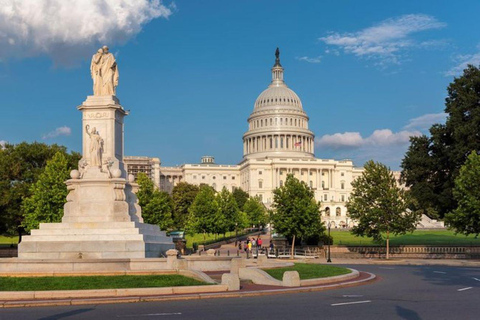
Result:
pixel 402 292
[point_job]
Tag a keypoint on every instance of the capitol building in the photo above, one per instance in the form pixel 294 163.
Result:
pixel 278 142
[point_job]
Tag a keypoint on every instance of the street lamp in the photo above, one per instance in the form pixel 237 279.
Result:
pixel 329 226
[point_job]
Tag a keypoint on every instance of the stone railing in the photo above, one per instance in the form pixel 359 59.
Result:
pixel 421 252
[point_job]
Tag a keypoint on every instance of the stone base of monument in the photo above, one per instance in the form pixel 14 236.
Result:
pixel 102 218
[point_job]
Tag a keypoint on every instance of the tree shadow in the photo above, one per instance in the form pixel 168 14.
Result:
pixel 449 276
pixel 405 313
pixel 66 314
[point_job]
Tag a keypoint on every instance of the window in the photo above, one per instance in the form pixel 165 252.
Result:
pixel 281 173
pixel 311 173
pixel 260 172
pixel 323 173
pixel 342 174
pixel 342 185
pixel 224 177
pixel 203 177
pixel 343 198
pixel 281 183
pixel 325 197
pixel 194 177
pixel 233 178
pixel 214 178
pixel 311 184
pixel 214 186
pixel 338 212
pixel 327 211
pixel 260 196
pixel 323 186
pixel 260 184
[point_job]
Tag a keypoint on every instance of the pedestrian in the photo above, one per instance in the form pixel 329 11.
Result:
pixel 254 243
pixel 259 242
pixel 245 246
pixel 271 246
pixel 240 245
pixel 249 245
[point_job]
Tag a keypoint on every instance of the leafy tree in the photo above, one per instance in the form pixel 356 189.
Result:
pixel 465 218
pixel 297 214
pixel 240 197
pixel 379 205
pixel 20 167
pixel 203 212
pixel 146 189
pixel 256 212
pixel 159 210
pixel 48 194
pixel 183 195
pixel 227 212
pixel 432 164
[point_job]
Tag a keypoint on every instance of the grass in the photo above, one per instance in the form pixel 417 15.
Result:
pixel 418 237
pixel 8 240
pixel 309 271
pixel 94 282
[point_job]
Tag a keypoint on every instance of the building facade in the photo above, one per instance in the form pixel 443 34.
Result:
pixel 278 142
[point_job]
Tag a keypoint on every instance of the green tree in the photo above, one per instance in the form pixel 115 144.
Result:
pixel 227 212
pixel 297 213
pixel 183 195
pixel 256 212
pixel 20 167
pixel 48 194
pixel 432 164
pixel 240 197
pixel 379 206
pixel 203 212
pixel 146 189
pixel 465 218
pixel 159 210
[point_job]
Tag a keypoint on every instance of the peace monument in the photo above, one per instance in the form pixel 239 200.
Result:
pixel 102 218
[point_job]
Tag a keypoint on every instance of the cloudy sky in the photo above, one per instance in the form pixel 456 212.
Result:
pixel 370 74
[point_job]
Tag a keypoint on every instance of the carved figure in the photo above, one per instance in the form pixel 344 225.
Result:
pixel 96 147
pixel 104 71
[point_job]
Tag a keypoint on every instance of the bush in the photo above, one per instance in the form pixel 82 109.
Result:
pixel 326 240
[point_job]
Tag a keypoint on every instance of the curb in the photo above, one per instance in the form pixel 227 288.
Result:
pixel 231 294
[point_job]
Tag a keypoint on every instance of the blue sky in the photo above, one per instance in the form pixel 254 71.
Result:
pixel 369 73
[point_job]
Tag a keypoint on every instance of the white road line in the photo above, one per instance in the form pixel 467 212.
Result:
pixel 151 315
pixel 439 272
pixel 476 279
pixel 353 302
pixel 463 289
pixel 352 295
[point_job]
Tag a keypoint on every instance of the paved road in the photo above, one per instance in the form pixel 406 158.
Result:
pixel 403 292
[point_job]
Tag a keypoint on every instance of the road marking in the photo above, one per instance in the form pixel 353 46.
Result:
pixel 353 302
pixel 151 315
pixel 463 289
pixel 352 295
pixel 476 279
pixel 441 272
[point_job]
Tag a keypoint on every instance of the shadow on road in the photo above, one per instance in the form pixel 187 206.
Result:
pixel 405 313
pixel 449 276
pixel 66 314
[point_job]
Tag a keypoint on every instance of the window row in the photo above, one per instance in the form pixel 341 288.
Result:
pixel 294 122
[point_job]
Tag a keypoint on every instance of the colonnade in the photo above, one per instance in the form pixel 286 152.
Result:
pixel 315 175
pixel 280 142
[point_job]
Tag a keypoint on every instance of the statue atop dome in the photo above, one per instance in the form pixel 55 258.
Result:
pixel 277 58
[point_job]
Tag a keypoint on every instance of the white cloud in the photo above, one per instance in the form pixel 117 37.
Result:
pixel 3 143
pixel 311 60
pixel 382 137
pixel 462 62
pixel 426 121
pixel 60 131
pixel 70 30
pixel 386 41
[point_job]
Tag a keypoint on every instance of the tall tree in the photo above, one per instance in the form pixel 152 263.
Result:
pixel 146 189
pixel 465 218
pixel 297 213
pixel 159 210
pixel 256 212
pixel 202 212
pixel 48 194
pixel 20 167
pixel 432 164
pixel 227 213
pixel 183 195
pixel 240 197
pixel 380 206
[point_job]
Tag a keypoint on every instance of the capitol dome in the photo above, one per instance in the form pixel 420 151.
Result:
pixel 278 126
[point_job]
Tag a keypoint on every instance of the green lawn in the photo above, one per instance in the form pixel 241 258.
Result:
pixel 94 282
pixel 309 271
pixel 418 237
pixel 8 240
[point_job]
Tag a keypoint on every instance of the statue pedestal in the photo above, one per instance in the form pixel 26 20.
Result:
pixel 102 219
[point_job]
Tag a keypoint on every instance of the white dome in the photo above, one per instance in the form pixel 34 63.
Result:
pixel 278 96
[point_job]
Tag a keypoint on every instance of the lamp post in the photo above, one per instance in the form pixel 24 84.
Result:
pixel 328 226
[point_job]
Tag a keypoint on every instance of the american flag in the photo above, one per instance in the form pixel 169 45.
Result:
pixel 298 144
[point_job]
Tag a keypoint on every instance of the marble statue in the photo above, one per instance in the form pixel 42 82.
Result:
pixel 104 71
pixel 96 147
